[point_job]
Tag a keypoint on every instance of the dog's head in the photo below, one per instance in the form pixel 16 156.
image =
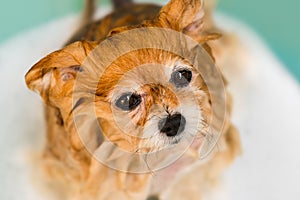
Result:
pixel 144 100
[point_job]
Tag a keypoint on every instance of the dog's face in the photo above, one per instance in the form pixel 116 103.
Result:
pixel 145 100
pixel 156 101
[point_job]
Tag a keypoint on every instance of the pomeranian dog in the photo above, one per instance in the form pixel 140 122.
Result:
pixel 135 105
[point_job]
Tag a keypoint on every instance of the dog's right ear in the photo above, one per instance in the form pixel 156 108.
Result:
pixel 182 15
pixel 58 68
pixel 185 16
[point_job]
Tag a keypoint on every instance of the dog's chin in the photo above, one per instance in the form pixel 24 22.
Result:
pixel 175 141
pixel 193 142
pixel 169 142
pixel 161 142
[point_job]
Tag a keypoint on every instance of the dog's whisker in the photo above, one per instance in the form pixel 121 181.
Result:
pixel 148 166
pixel 159 117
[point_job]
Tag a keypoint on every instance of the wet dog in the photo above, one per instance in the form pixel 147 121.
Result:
pixel 130 105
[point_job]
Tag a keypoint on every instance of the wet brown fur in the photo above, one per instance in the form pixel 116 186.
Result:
pixel 53 77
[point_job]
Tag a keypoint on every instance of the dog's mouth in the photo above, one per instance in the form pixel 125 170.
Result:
pixel 184 141
pixel 194 142
pixel 151 154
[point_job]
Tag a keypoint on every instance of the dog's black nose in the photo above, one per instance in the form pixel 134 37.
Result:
pixel 172 125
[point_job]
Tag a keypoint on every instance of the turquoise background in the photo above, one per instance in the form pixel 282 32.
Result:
pixel 276 21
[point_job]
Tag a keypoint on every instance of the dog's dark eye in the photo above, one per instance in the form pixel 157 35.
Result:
pixel 128 101
pixel 181 78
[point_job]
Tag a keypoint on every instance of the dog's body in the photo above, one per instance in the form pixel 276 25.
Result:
pixel 67 158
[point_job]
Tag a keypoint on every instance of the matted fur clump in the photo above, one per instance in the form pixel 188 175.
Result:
pixel 135 110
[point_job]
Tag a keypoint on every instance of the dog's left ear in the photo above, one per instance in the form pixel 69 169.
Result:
pixel 183 16
pixel 58 69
